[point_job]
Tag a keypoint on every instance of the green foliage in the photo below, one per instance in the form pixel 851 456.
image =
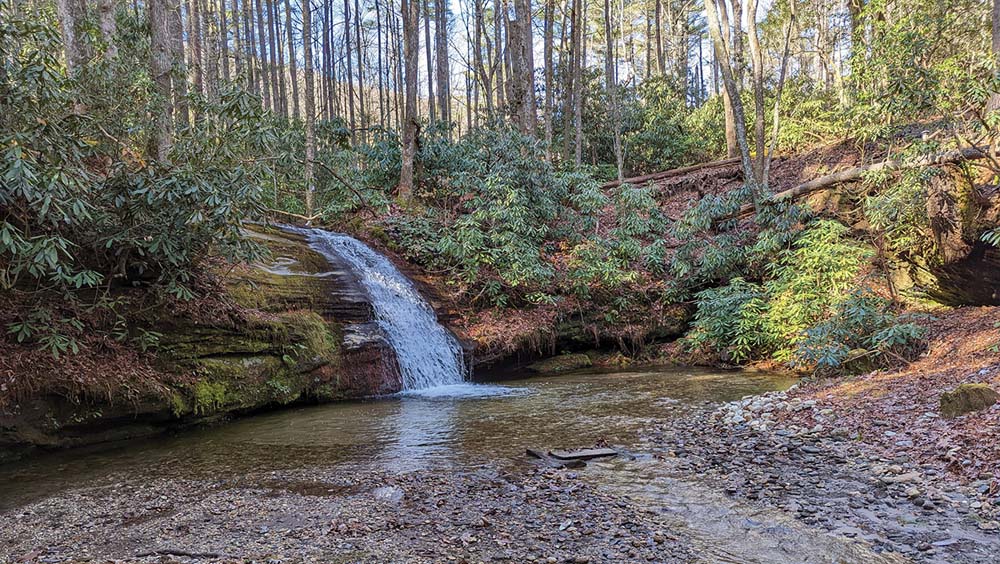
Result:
pixel 862 331
pixel 732 320
pixel 924 59
pixel 81 208
pixel 898 208
pixel 810 278
pixel 743 321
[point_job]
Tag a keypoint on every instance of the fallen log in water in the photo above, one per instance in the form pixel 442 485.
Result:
pixel 584 454
pixel 552 461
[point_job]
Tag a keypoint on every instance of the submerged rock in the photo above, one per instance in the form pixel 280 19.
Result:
pixel 561 363
pixel 967 398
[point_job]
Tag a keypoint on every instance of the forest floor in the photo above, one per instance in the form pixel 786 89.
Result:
pixel 870 456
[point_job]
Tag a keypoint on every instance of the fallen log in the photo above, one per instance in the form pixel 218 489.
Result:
pixel 584 454
pixel 553 462
pixel 851 174
pixel 670 173
pixel 178 552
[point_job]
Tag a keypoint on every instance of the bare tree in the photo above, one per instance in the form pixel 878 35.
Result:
pixel 549 72
pixel 292 71
pixel 310 103
pixel 443 70
pixel 411 26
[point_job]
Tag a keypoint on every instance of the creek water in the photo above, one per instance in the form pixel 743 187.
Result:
pixel 466 426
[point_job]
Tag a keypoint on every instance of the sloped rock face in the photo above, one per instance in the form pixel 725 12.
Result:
pixel 305 333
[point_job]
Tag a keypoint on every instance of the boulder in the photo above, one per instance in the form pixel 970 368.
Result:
pixel 967 398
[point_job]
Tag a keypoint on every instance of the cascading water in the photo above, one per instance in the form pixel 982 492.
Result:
pixel 429 356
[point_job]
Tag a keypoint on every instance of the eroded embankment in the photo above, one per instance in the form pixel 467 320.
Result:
pixel 295 328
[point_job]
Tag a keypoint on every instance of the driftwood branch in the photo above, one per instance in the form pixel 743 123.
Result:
pixel 852 174
pixel 670 173
pixel 178 552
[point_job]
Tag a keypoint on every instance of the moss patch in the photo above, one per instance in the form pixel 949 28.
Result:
pixel 967 398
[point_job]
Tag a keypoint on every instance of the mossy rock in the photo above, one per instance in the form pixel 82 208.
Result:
pixel 967 398
pixel 561 363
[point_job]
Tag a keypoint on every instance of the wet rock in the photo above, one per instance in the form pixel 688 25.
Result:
pixel 561 363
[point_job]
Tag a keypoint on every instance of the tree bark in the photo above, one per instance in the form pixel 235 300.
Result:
pixel 279 53
pixel 178 68
pixel 611 83
pixel 160 138
pixel 266 70
pixel 224 40
pixel 712 10
pixel 525 69
pixel 292 71
pixel 310 103
pixel 549 70
pixel 443 67
pixel 431 112
pixel 107 25
pixel 360 49
pixel 350 69
pixel 411 27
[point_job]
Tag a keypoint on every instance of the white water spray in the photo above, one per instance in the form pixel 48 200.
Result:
pixel 429 356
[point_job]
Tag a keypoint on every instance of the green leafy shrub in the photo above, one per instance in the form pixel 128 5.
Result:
pixel 810 278
pixel 81 210
pixel 732 321
pixel 862 332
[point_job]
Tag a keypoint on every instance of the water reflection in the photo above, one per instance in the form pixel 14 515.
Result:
pixel 467 424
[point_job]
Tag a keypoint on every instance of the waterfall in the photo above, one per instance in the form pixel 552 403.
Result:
pixel 428 354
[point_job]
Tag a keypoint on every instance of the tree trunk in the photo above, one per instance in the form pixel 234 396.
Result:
pixel 712 10
pixel 994 102
pixel 224 40
pixel 249 46
pixel 237 42
pixel 71 16
pixel 210 60
pixel 611 83
pixel 106 22
pixel 360 48
pixel 160 138
pixel 411 47
pixel 265 68
pixel 310 102
pixel 443 68
pixel 757 67
pixel 430 63
pixel 194 38
pixel 178 69
pixel 382 114
pixel 578 62
pixel 550 16
pixel 292 72
pixel 350 69
pixel 279 53
pixel 526 68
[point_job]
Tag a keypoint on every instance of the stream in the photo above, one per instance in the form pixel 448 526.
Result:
pixel 467 426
